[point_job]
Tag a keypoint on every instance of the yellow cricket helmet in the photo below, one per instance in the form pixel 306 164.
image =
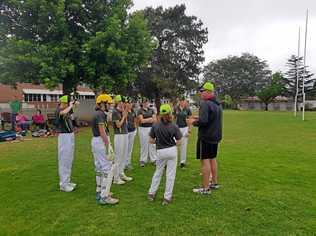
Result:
pixel 104 98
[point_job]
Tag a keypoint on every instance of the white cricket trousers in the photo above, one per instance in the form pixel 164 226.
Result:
pixel 120 147
pixel 101 164
pixel 184 144
pixel 165 157
pixel 146 148
pixel 131 138
pixel 66 148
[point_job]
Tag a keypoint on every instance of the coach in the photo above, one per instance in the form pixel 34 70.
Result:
pixel 209 123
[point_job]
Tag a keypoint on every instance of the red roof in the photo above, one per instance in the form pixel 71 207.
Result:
pixel 8 93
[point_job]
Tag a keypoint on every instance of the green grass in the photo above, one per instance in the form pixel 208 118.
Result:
pixel 267 170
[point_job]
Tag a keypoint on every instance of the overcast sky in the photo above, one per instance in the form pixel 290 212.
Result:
pixel 266 28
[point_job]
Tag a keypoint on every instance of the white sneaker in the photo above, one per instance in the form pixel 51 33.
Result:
pixel 73 185
pixel 119 181
pixel 67 188
pixel 126 178
pixel 108 201
pixel 202 191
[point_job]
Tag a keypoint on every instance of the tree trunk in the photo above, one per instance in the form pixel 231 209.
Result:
pixel 266 106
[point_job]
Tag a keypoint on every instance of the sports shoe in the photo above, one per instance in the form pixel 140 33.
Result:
pixel 119 181
pixel 108 201
pixel 202 191
pixel 98 195
pixel 125 178
pixel 214 186
pixel 73 185
pixel 67 188
pixel 182 165
pixel 151 197
pixel 165 202
pixel 142 164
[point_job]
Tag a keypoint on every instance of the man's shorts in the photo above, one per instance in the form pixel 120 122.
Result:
pixel 206 150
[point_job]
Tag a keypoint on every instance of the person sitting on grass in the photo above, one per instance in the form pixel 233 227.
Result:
pixel 166 136
pixel 39 120
pixel 23 121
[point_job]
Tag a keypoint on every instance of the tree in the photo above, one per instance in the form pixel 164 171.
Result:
pixel 296 69
pixel 272 90
pixel 175 65
pixel 238 76
pixel 51 42
pixel 114 57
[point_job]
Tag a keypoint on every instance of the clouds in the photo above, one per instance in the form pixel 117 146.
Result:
pixel 267 28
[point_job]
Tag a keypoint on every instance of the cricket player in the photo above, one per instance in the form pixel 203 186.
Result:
pixel 166 136
pixel 99 141
pixel 66 143
pixel 182 114
pixel 146 117
pixel 119 122
pixel 131 128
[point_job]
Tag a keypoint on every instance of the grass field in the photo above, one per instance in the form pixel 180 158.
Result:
pixel 267 167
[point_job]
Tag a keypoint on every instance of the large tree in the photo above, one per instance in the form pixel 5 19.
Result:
pixel 113 57
pixel 176 63
pixel 238 76
pixel 52 42
pixel 296 70
pixel 275 88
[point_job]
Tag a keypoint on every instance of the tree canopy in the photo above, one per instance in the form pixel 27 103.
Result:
pixel 238 76
pixel 72 42
pixel 296 70
pixel 275 88
pixel 176 63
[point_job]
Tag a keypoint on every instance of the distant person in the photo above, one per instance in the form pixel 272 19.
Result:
pixel 182 114
pixel 166 136
pixel 23 121
pixel 15 106
pixel 66 143
pixel 39 120
pixel 147 118
pixel 209 123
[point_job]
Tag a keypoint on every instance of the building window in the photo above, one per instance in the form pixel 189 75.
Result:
pixel 26 98
pixel 53 98
pixel 35 97
pixel 89 97
pixel 44 97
